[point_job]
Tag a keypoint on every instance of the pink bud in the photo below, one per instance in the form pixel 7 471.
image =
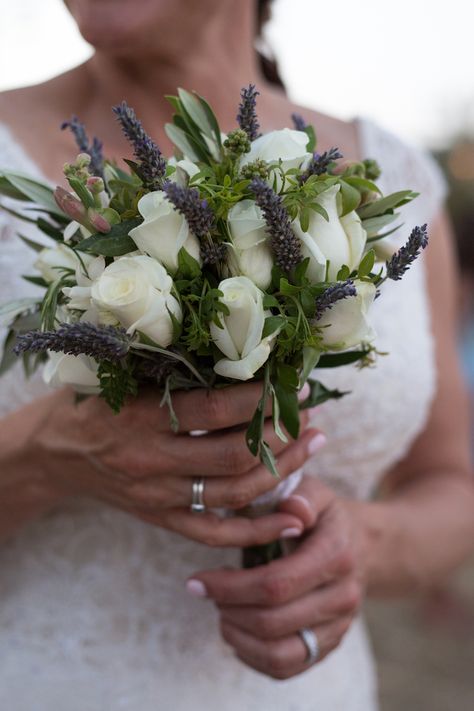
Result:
pixel 72 207
pixel 98 222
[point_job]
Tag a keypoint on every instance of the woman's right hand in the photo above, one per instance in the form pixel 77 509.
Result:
pixel 134 461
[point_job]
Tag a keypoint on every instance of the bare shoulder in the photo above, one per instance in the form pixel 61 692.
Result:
pixel 331 131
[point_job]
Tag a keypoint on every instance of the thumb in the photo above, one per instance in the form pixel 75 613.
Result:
pixel 308 501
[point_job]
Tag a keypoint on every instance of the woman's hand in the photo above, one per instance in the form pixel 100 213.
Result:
pixel 135 462
pixel 319 586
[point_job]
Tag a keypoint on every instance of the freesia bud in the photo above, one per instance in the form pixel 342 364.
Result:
pixel 98 222
pixel 72 207
pixel 95 184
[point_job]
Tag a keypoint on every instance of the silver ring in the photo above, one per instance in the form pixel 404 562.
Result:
pixel 197 501
pixel 311 643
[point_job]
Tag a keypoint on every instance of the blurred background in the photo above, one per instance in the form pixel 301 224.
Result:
pixel 414 73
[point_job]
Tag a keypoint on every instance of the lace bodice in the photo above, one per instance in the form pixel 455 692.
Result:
pixel 92 604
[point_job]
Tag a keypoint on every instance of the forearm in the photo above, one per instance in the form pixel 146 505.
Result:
pixel 26 490
pixel 415 537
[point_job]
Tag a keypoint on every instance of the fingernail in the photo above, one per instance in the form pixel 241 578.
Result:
pixel 291 533
pixel 317 443
pixel 304 392
pixel 302 499
pixel 196 588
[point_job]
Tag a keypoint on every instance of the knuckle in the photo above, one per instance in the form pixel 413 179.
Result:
pixel 353 596
pixel 276 589
pixel 240 494
pixel 266 624
pixel 217 408
pixel 277 663
pixel 236 457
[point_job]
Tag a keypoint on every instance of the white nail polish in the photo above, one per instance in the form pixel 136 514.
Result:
pixel 304 392
pixel 291 533
pixel 196 588
pixel 317 443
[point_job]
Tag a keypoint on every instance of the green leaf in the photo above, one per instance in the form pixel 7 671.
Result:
pixel 367 264
pixel 311 358
pixel 304 219
pixel 272 325
pixel 9 358
pixel 276 417
pixel 373 225
pixel 113 244
pixel 12 309
pixel 334 360
pixel 316 207
pixel 350 198
pixel 36 246
pixel 212 120
pixel 36 280
pixel 188 267
pixel 116 382
pixel 288 376
pixel 39 193
pixel 363 184
pixel 311 145
pixel 182 142
pixel 343 273
pixel 54 232
pixel 390 202
pixel 289 409
pixel 268 459
pixel 270 302
pixel 319 394
pixel 254 433
pixel 192 105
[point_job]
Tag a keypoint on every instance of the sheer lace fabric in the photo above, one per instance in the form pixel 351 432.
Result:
pixel 92 604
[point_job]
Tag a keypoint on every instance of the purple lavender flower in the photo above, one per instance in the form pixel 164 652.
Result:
pixel 99 342
pixel 82 140
pixel 152 166
pixel 247 116
pixel 406 255
pixel 332 295
pixel 285 244
pixel 320 163
pixel 189 203
pixel 298 122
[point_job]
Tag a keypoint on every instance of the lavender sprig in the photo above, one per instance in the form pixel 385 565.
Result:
pixel 320 163
pixel 334 294
pixel 93 149
pixel 99 342
pixel 406 255
pixel 298 122
pixel 285 244
pixel 152 165
pixel 247 116
pixel 189 203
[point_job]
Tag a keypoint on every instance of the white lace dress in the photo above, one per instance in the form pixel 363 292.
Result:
pixel 93 611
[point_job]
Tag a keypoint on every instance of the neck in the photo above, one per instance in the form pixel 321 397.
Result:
pixel 222 60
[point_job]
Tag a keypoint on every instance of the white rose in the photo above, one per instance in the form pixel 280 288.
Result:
pixel 341 240
pixel 185 169
pixel 286 145
pixel 346 324
pixel 80 372
pixel 52 260
pixel 240 339
pixel 251 254
pixel 137 291
pixel 164 231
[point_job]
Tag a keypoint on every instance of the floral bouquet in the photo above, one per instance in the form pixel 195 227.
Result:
pixel 245 256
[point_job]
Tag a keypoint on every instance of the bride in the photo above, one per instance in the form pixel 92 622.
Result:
pixel 102 604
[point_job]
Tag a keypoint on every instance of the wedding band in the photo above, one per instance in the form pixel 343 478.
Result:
pixel 310 641
pixel 197 501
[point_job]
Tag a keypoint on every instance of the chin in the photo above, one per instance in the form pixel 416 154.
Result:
pixel 121 25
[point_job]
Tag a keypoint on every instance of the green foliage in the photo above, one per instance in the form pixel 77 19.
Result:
pixel 117 381
pixel 115 243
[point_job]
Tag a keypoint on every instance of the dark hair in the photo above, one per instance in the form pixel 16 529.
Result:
pixel 268 65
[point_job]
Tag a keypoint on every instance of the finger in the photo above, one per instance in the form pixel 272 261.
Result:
pixel 318 607
pixel 286 655
pixel 216 409
pixel 238 532
pixel 214 454
pixel 312 564
pixel 308 501
pixel 220 492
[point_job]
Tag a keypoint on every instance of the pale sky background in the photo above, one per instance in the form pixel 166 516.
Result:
pixel 407 64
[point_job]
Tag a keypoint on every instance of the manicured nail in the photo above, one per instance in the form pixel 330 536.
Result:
pixel 317 443
pixel 291 533
pixel 304 392
pixel 196 588
pixel 302 500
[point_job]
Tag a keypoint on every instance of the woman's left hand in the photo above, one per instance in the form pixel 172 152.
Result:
pixel 318 586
